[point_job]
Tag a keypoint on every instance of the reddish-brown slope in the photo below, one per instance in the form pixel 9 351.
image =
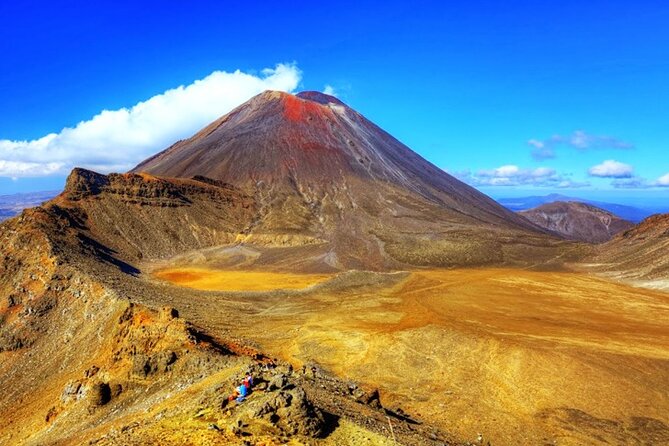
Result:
pixel 639 253
pixel 317 145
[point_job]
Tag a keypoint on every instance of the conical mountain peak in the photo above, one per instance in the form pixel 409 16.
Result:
pixel 321 168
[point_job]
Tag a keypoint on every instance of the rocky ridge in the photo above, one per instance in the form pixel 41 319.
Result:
pixel 639 254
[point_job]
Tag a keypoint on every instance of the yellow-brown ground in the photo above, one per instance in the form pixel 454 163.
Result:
pixel 521 357
pixel 208 279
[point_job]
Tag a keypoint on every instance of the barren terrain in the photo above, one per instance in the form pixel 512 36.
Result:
pixel 518 356
pixel 394 301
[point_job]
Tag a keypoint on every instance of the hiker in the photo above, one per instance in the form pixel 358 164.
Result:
pixel 243 390
pixel 240 393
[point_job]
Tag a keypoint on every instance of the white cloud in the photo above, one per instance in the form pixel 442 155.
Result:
pixel 16 169
pixel 330 90
pixel 579 140
pixel 515 173
pixel 116 140
pixel 569 184
pixel 512 175
pixel 635 182
pixel 663 181
pixel 631 183
pixel 611 169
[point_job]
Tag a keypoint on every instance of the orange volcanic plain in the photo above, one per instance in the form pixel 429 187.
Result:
pixel 521 357
pixel 208 279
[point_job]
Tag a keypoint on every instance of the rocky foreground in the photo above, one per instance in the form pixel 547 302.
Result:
pixel 84 363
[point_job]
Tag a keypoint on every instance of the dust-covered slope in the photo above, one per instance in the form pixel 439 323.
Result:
pixel 640 253
pixel 577 221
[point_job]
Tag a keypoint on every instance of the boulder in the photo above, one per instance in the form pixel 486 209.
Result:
pixel 144 365
pixel 291 412
pixel 168 313
pixel 100 394
pixel 279 381
pixel 73 391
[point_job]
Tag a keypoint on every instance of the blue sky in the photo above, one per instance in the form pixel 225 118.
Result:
pixel 513 97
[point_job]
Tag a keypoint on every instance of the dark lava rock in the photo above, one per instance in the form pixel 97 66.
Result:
pixel 101 394
pixel 168 313
pixel 91 371
pixel 292 412
pixel 371 398
pixel 144 365
pixel 51 414
pixel 278 382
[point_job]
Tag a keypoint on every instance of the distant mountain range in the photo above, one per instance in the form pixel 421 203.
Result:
pixel 11 205
pixel 631 213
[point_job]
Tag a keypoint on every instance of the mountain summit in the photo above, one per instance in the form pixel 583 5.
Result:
pixel 313 143
pixel 316 167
